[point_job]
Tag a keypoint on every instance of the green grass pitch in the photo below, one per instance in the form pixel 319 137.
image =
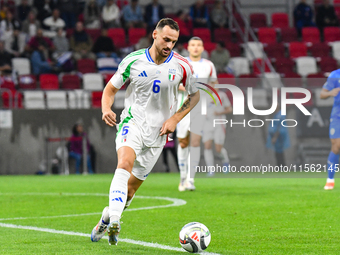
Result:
pixel 244 216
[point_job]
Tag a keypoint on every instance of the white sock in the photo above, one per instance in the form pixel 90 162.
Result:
pixel 128 202
pixel 182 155
pixel 118 192
pixel 195 156
pixel 105 216
pixel 223 155
pixel 330 180
pixel 209 157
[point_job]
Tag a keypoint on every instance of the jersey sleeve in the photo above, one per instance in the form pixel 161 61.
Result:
pixel 213 74
pixel 189 79
pixel 331 82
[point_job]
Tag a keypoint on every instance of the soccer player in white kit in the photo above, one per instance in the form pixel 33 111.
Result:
pixel 149 115
pixel 217 133
pixel 204 71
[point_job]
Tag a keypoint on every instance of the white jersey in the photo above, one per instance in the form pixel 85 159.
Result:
pixel 152 94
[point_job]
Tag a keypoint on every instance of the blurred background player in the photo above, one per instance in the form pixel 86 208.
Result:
pixel 204 71
pixel 149 115
pixel 217 133
pixel 331 89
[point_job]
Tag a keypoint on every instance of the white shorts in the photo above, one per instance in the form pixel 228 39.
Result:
pixel 214 133
pixel 197 121
pixel 183 127
pixel 146 157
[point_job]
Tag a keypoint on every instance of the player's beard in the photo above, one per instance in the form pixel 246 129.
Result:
pixel 160 51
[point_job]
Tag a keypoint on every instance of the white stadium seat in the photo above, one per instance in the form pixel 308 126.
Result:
pixel 336 50
pixel 34 99
pixel 56 99
pixel 78 99
pixel 93 81
pixel 238 66
pixel 253 51
pixel 306 65
pixel 271 80
pixel 21 65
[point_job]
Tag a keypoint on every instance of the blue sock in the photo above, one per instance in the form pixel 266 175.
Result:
pixel 332 160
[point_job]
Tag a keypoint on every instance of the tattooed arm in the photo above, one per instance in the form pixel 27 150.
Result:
pixel 170 124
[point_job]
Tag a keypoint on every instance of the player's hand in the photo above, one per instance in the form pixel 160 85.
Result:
pixel 335 92
pixel 109 117
pixel 168 127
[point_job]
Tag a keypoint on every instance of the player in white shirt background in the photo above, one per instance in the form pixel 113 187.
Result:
pixel 205 72
pixel 154 75
pixel 216 134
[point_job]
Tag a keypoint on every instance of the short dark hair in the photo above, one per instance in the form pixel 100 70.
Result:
pixel 195 38
pixel 167 22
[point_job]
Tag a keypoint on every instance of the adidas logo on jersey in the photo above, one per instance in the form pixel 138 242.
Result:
pixel 143 74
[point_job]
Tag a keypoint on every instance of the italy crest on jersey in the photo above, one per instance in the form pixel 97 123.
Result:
pixel 172 74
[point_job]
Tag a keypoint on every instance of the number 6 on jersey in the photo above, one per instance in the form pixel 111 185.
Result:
pixel 156 88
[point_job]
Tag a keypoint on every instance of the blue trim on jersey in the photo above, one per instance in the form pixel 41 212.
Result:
pixel 148 55
pixel 169 57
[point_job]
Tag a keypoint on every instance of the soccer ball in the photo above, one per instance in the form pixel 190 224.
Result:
pixel 194 237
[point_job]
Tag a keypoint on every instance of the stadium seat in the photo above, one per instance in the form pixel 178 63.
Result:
pixel 292 79
pixel 27 81
pixel 284 65
pixel 86 66
pixel 234 49
pixel 21 65
pixel 93 81
pixel 248 81
pixel 331 34
pixel 10 99
pixel 107 77
pixel 239 20
pixel 297 49
pixel 96 99
pixel 319 50
pixel 78 99
pixel 336 50
pixel 222 35
pixel 209 46
pixel 267 35
pixel 253 50
pixel 289 34
pixel 280 20
pixel 258 20
pixel 316 80
pixel 7 83
pixel 34 99
pixel 56 100
pixel 49 82
pixel 306 66
pixel 203 33
pixel 275 50
pixel 262 63
pixel 328 64
pixel 118 37
pixel 135 34
pixel 271 80
pixel 107 65
pixel 301 95
pixel 240 39
pixel 94 33
pixel 322 102
pixel 239 65
pixel 226 78
pixel 311 35
pixel 70 81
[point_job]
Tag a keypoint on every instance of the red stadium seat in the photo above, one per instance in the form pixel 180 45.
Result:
pixel 267 35
pixel 297 49
pixel 135 34
pixel 7 83
pixel 239 20
pixel 49 82
pixel 226 78
pixel 27 81
pixel 86 66
pixel 262 63
pixel 203 33
pixel 258 20
pixel 320 50
pixel 328 64
pixel 107 77
pixel 292 79
pixel 331 34
pixel 222 35
pixel 234 49
pixel 316 80
pixel 289 34
pixel 96 99
pixel 284 65
pixel 280 20
pixel 70 81
pixel 248 81
pixel 94 33
pixel 239 38
pixel 311 34
pixel 275 50
pixel 118 37
pixel 209 46
pixel 11 99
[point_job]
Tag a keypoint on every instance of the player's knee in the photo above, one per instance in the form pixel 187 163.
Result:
pixel 125 164
pixel 335 148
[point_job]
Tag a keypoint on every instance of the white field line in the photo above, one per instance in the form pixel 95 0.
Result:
pixel 175 202
pixel 54 231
